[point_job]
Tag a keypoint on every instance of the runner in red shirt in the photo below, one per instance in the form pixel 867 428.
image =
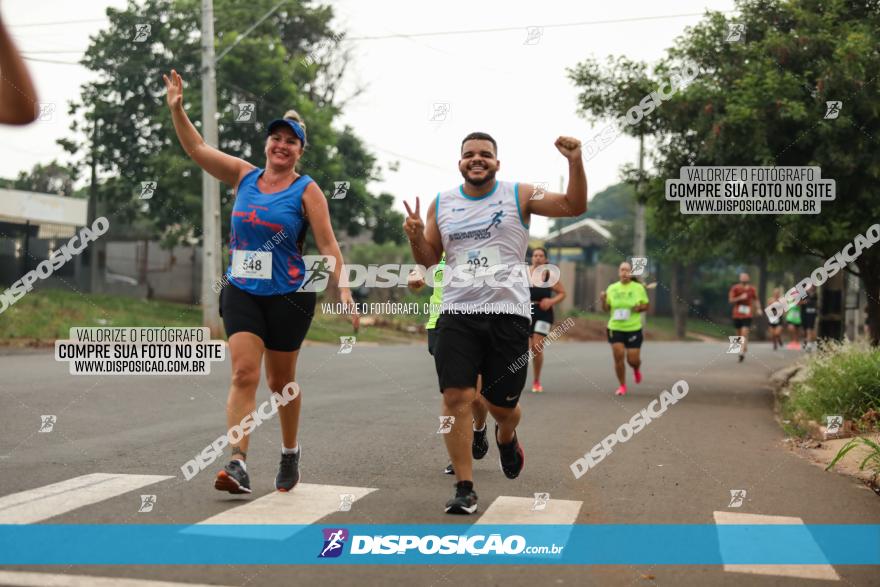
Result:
pixel 744 300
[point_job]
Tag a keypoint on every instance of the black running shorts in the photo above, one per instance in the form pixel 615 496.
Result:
pixel 494 345
pixel 808 319
pixel 742 323
pixel 542 322
pixel 282 321
pixel 630 340
pixel 432 340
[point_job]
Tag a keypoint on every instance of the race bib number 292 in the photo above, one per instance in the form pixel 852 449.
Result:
pixel 484 261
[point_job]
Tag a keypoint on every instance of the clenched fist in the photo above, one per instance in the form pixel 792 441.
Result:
pixel 570 147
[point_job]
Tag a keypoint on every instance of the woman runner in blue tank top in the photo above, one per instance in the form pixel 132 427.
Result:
pixel 266 300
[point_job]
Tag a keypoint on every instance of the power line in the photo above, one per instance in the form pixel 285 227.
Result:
pixel 389 36
pixel 252 27
pixel 437 33
pixel 280 108
pixel 26 58
pixel 520 28
pixel 43 51
pixel 57 23
pixel 405 158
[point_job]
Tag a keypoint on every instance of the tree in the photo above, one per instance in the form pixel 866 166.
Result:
pixel 615 91
pixel 762 102
pixel 291 60
pixel 51 178
pixel 613 203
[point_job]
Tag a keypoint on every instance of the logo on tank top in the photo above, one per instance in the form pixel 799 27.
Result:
pixel 496 219
pixel 480 233
pixel 252 218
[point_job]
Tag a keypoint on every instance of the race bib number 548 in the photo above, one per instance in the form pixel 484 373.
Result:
pixel 252 264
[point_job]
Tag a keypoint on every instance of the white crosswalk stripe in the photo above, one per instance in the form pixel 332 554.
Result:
pixel 526 510
pixel 520 510
pixel 273 513
pixel 306 504
pixel 822 572
pixel 36 505
pixel 28 579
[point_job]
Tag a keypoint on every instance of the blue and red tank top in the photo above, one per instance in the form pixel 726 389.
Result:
pixel 266 237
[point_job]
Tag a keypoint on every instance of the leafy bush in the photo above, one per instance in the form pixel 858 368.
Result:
pixel 843 378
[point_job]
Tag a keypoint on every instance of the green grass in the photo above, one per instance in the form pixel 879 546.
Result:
pixel 719 330
pixel 48 314
pixel 842 379
pixel 664 325
pixel 871 461
pixel 326 328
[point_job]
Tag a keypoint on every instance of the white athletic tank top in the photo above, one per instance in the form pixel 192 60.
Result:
pixel 478 234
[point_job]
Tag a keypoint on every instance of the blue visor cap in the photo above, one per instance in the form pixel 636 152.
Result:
pixel 292 125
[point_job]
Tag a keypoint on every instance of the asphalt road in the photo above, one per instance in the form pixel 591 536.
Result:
pixel 370 420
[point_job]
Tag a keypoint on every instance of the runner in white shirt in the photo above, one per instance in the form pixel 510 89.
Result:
pixel 482 226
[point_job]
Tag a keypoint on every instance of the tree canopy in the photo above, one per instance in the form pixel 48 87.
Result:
pixel 762 101
pixel 294 59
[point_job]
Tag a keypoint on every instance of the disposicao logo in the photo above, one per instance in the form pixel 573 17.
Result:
pixel 334 541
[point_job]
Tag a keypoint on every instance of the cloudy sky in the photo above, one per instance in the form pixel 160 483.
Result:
pixel 488 70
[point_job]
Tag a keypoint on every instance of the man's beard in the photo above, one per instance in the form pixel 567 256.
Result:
pixel 490 176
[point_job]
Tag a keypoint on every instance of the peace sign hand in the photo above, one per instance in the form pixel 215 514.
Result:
pixel 413 225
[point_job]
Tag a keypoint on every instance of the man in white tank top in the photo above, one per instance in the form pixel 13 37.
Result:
pixel 483 227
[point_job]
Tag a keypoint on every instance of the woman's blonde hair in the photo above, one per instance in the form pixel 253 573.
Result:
pixel 295 116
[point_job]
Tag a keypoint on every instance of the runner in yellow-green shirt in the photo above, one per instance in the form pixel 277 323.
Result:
pixel 625 300
pixel 480 445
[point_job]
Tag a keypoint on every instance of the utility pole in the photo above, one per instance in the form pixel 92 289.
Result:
pixel 97 249
pixel 210 186
pixel 211 255
pixel 639 229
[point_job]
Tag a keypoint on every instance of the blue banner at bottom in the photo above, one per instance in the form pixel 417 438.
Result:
pixel 601 544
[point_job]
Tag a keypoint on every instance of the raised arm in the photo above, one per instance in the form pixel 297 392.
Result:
pixel 226 168
pixel 18 98
pixel 573 202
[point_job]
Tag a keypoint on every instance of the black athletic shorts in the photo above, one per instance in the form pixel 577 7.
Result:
pixel 546 318
pixel 495 346
pixel 742 323
pixel 808 319
pixel 432 340
pixel 282 321
pixel 630 340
